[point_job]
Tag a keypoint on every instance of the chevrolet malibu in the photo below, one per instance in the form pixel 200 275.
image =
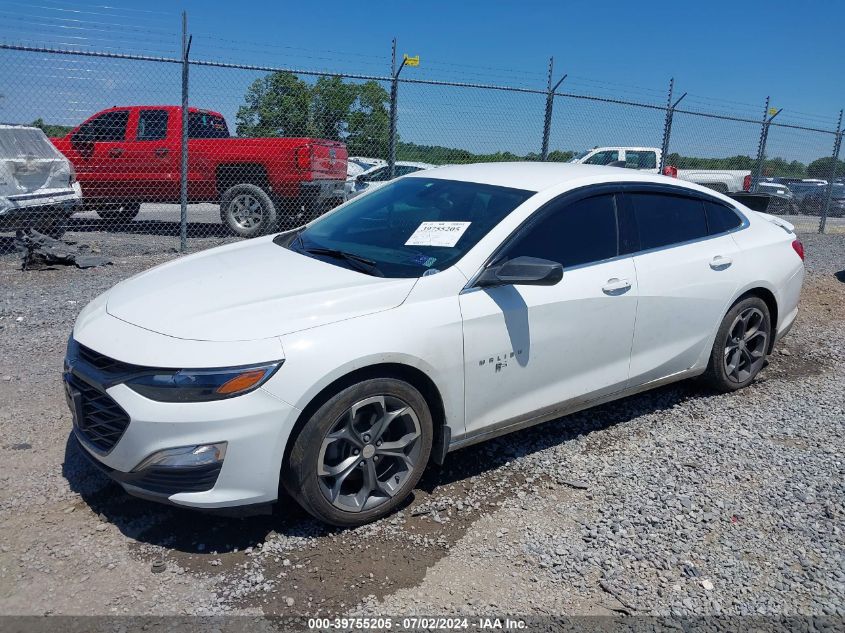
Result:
pixel 450 306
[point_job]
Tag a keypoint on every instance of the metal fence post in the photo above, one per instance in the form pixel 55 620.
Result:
pixel 837 143
pixel 761 147
pixel 394 89
pixel 183 175
pixel 667 124
pixel 550 104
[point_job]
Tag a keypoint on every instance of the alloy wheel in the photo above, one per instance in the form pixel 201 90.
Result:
pixel 246 211
pixel 369 453
pixel 745 348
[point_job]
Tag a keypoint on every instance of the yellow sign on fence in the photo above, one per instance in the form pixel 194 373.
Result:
pixel 412 61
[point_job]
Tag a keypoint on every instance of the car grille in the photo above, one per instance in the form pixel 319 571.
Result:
pixel 102 421
pixel 104 363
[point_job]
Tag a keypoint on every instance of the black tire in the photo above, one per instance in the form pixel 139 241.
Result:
pixel 247 211
pixel 312 446
pixel 120 215
pixel 724 375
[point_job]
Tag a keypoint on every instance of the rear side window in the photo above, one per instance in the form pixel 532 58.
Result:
pixel 665 219
pixel 152 125
pixel 640 159
pixel 721 218
pixel 576 233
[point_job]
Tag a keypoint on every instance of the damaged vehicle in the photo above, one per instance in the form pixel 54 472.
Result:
pixel 38 187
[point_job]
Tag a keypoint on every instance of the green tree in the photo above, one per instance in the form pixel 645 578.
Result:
pixel 821 168
pixel 281 104
pixel 50 129
pixel 278 104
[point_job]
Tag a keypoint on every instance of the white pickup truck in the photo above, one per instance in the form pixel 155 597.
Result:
pixel 648 159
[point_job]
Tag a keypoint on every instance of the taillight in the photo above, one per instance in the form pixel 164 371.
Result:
pixel 746 184
pixel 798 247
pixel 303 157
pixel 670 171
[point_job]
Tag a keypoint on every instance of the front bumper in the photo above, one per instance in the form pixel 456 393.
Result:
pixel 118 429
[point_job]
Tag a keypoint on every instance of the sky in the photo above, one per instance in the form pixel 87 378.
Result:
pixel 728 56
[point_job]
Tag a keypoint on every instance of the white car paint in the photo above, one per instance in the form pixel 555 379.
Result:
pixel 500 358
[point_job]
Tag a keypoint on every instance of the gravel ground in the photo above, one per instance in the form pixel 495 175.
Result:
pixel 676 501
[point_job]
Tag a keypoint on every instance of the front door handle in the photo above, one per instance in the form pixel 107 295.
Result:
pixel 616 286
pixel 114 152
pixel 161 152
pixel 720 262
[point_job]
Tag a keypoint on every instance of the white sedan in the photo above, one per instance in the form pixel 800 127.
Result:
pixel 379 174
pixel 448 307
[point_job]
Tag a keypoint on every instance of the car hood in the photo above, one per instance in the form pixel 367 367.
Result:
pixel 250 290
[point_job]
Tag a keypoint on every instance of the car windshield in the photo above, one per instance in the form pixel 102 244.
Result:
pixel 579 156
pixel 410 227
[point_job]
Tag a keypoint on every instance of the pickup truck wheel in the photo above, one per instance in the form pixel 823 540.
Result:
pixel 247 211
pixel 120 215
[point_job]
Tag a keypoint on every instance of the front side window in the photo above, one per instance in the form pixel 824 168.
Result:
pixel 640 159
pixel 108 127
pixel 408 227
pixel 664 219
pixel 574 234
pixel 152 125
pixel 602 158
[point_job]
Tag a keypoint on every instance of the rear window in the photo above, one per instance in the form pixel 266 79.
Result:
pixel 205 125
pixel 666 219
pixel 22 142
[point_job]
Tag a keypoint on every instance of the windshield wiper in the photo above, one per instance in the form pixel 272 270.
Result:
pixel 361 264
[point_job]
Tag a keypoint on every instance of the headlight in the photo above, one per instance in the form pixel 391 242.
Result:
pixel 202 385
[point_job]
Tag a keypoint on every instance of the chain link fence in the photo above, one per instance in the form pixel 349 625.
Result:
pixel 262 148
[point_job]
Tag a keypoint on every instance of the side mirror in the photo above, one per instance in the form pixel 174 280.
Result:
pixel 526 271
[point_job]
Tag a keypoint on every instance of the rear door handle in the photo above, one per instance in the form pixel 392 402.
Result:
pixel 720 262
pixel 616 286
pixel 161 152
pixel 114 152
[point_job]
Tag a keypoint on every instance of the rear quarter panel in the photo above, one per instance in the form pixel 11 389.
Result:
pixel 772 263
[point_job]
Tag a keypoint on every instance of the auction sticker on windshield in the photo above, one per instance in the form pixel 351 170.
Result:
pixel 437 234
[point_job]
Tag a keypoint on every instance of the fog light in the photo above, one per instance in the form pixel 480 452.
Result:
pixel 185 457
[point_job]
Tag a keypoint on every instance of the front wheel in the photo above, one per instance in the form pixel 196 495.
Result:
pixel 741 346
pixel 247 211
pixel 361 453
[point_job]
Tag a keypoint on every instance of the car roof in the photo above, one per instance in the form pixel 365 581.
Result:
pixel 536 176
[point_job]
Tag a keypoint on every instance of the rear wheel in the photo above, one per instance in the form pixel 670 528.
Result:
pixel 741 346
pixel 361 453
pixel 122 214
pixel 247 211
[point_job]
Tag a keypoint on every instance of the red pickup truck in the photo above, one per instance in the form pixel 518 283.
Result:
pixel 128 155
